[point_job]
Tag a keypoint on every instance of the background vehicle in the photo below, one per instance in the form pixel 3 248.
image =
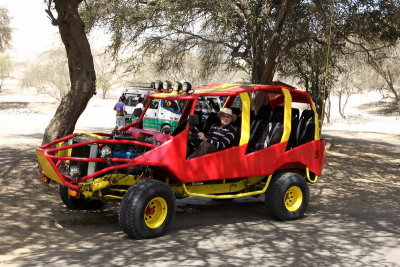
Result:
pixel 132 92
pixel 277 151
pixel 163 115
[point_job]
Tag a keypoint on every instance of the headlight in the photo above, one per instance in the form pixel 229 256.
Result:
pixel 187 87
pixel 106 152
pixel 158 85
pixel 177 87
pixel 74 171
pixel 167 86
pixel 70 141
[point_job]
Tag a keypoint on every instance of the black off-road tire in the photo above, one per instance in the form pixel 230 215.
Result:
pixel 78 203
pixel 287 196
pixel 166 129
pixel 134 214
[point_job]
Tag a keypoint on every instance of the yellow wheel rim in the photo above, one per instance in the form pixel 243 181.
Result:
pixel 293 198
pixel 155 212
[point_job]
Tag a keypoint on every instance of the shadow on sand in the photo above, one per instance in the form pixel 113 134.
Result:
pixel 352 219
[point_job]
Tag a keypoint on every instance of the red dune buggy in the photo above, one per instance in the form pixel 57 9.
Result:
pixel 278 151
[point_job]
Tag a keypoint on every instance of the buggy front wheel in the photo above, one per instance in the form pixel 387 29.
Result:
pixel 147 209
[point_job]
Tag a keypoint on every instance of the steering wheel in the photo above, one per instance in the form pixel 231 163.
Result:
pixel 193 133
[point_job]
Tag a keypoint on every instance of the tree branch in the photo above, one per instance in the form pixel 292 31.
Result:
pixel 204 38
pixel 53 20
pixel 266 8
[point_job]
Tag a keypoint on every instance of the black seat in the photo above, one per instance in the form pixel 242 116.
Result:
pixel 237 124
pixel 306 128
pixel 199 113
pixel 211 119
pixel 293 131
pixel 257 126
pixel 272 133
pixel 295 113
pixel 278 109
pixel 262 116
pixel 238 113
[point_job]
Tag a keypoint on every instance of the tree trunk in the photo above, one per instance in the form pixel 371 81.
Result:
pixel 314 90
pixel 273 48
pixel 267 74
pixel 258 98
pixel 257 69
pixel 81 69
pixel 341 106
pixel 328 110
pixel 393 90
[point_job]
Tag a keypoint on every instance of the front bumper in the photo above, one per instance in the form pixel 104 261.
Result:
pixel 54 156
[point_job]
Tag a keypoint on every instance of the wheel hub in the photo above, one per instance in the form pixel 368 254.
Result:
pixel 155 212
pixel 150 211
pixel 293 198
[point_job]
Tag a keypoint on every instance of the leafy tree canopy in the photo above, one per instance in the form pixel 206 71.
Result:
pixel 237 33
pixel 228 32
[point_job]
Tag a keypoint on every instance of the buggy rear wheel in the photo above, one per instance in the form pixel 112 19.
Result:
pixel 147 209
pixel 78 203
pixel 287 196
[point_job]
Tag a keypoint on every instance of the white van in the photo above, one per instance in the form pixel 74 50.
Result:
pixel 163 115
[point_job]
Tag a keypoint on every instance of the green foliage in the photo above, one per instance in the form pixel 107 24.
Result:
pixel 105 73
pixel 49 74
pixel 389 71
pixel 220 33
pixel 236 34
pixel 358 29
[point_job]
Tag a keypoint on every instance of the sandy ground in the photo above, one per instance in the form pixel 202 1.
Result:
pixel 352 220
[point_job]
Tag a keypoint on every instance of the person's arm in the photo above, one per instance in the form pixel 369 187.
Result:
pixel 123 110
pixel 202 136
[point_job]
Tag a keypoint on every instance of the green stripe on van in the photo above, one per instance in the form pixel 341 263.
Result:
pixel 151 123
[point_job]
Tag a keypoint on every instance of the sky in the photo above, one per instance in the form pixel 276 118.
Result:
pixel 33 32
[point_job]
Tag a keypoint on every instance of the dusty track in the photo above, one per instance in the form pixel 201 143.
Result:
pixel 353 218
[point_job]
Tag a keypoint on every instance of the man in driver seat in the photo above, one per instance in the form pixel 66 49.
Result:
pixel 220 136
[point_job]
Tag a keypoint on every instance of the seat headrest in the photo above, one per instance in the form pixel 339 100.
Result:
pixel 278 109
pixel 212 117
pixel 307 113
pixel 276 117
pixel 295 113
pixel 236 111
pixel 264 112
